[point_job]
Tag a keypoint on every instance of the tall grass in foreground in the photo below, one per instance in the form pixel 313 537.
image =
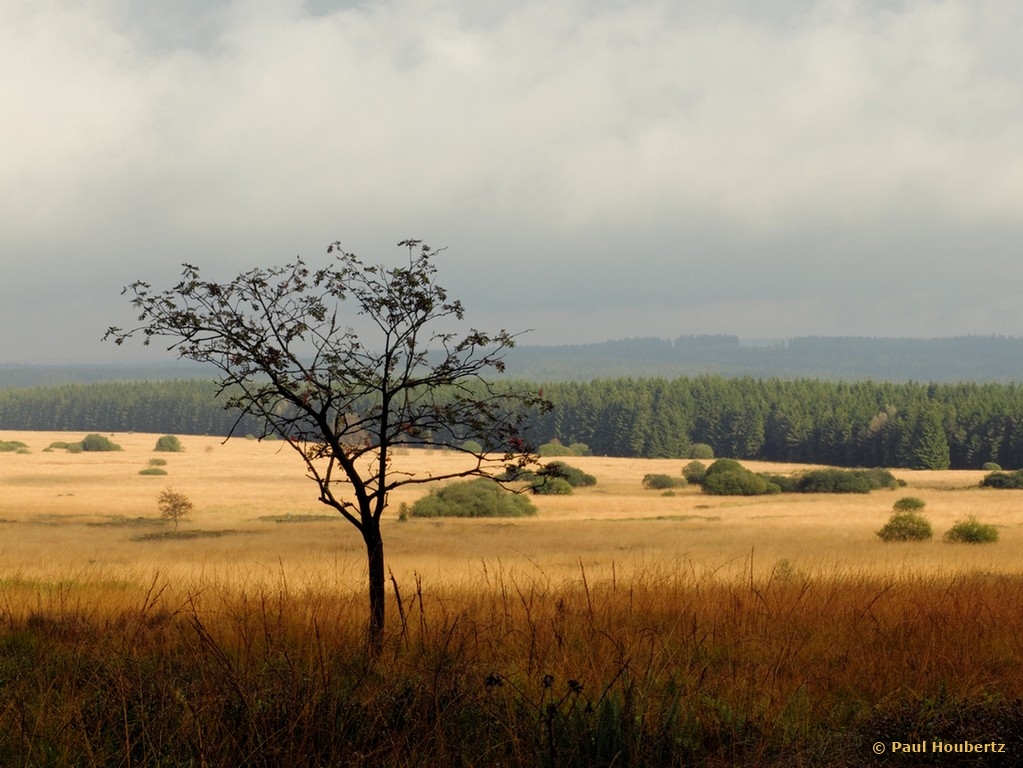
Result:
pixel 659 669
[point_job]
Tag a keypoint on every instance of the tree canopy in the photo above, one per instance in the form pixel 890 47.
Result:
pixel 288 356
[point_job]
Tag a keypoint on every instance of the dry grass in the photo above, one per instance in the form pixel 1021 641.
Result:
pixel 702 630
pixel 69 514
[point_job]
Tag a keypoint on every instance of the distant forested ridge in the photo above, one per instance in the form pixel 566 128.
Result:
pixel 864 424
pixel 848 358
pixel 832 358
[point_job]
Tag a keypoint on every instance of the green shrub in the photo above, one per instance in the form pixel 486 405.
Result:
pixel 573 475
pixel 990 466
pixel 96 442
pixel 158 462
pixel 846 480
pixel 13 446
pixel 972 531
pixel 580 449
pixel 694 472
pixel 59 444
pixel 724 465
pixel 660 482
pixel 168 444
pixel 879 478
pixel 727 477
pixel 554 448
pixel 551 486
pixel 516 475
pixel 1003 480
pixel 737 482
pixel 909 504
pixel 700 451
pixel 472 446
pixel 74 448
pixel 905 526
pixel 153 471
pixel 785 483
pixel 480 497
pixel 833 481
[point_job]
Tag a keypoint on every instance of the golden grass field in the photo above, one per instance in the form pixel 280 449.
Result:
pixel 618 626
pixel 75 516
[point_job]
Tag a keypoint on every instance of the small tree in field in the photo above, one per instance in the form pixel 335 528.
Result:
pixel 287 354
pixel 173 505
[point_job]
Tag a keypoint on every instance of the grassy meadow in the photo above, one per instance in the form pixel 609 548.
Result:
pixel 620 626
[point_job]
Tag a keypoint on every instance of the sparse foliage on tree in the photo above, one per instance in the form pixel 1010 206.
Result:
pixel 173 505
pixel 284 342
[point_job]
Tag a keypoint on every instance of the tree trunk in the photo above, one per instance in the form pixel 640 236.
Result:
pixel 375 559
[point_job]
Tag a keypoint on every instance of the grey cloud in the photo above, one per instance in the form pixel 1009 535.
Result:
pixel 722 167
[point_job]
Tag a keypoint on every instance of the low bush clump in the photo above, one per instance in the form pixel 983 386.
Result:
pixel 661 482
pixel 96 442
pixel 906 526
pixel 1000 479
pixel 13 446
pixel 734 483
pixel 168 444
pixel 972 531
pixel 153 471
pixel 473 498
pixel 572 475
pixel 727 477
pixel 700 451
pixel 786 483
pixel 694 472
pixel 555 448
pixel 909 504
pixel 551 486
pixel 990 466
pixel 846 481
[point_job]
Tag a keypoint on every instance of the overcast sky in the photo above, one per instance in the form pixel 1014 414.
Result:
pixel 596 170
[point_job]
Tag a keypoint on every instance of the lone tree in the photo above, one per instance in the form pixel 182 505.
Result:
pixel 173 505
pixel 287 354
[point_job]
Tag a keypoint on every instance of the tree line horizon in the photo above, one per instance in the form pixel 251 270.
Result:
pixel 846 424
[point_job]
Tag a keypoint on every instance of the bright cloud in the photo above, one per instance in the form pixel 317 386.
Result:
pixel 680 167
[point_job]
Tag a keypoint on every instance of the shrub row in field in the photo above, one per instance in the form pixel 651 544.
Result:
pixel 727 477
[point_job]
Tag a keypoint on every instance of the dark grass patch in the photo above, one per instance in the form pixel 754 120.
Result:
pixel 674 518
pixel 120 521
pixel 173 535
pixel 299 518
pixel 56 519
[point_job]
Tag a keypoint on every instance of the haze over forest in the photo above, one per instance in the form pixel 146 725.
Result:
pixel 959 359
